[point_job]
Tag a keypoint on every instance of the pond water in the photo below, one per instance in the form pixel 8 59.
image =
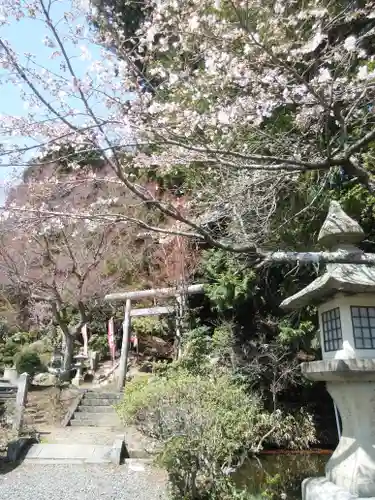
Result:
pixel 291 468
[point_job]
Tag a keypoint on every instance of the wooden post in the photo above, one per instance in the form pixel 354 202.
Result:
pixel 21 400
pixel 179 314
pixel 124 346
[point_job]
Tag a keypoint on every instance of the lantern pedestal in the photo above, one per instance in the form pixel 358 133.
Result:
pixel 350 472
pixel 319 488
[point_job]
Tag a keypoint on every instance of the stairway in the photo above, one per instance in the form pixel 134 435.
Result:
pixel 96 409
pixel 34 416
pixel 8 391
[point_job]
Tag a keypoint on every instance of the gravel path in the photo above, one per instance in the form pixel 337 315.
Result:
pixel 82 482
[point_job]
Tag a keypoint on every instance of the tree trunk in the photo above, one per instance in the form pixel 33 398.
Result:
pixel 68 351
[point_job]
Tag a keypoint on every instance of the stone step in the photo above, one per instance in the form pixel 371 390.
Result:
pixel 94 423
pixel 98 402
pixel 44 454
pixel 95 409
pixel 102 395
pixel 95 416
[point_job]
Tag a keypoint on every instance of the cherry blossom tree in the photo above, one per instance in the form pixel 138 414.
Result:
pixel 60 260
pixel 244 95
pixel 60 267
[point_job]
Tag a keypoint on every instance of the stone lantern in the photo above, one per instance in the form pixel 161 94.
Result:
pixel 345 298
pixel 80 359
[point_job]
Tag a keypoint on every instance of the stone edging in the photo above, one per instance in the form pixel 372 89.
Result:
pixel 72 408
pixel 17 447
pixel 118 451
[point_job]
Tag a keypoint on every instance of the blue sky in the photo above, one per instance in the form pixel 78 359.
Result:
pixel 27 36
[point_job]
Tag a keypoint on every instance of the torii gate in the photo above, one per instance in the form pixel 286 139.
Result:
pixel 179 293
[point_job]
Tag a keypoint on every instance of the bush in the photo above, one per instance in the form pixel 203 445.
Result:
pixel 13 344
pixel 148 326
pixel 99 344
pixel 29 362
pixel 207 424
pixel 8 352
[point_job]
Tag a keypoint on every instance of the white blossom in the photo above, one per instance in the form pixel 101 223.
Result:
pixel 324 75
pixel 362 73
pixel 223 117
pixel 85 53
pixel 193 23
pixel 314 42
pixel 350 43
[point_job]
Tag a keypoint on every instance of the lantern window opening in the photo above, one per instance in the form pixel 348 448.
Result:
pixel 332 333
pixel 363 322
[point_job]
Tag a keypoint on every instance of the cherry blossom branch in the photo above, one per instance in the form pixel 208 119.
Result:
pixel 107 217
pixel 22 74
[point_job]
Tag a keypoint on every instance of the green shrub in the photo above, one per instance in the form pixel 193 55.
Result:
pixel 14 344
pixel 8 351
pixel 29 362
pixel 99 343
pixel 146 326
pixel 207 424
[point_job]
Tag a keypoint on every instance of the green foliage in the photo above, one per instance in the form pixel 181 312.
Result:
pixel 196 350
pixel 23 338
pixel 230 283
pixel 28 361
pixel 273 484
pixel 122 267
pixel 305 334
pixel 7 352
pixel 223 341
pixel 99 343
pixel 4 331
pixel 145 326
pixel 13 344
pixel 206 423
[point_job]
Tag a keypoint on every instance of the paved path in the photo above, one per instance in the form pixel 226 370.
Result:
pixel 138 445
pixel 69 453
pixel 134 481
pixel 74 445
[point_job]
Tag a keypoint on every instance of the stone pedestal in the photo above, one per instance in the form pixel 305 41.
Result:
pixel 351 469
pixel 319 488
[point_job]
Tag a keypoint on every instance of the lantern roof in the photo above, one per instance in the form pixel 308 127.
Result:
pixel 339 228
pixel 339 231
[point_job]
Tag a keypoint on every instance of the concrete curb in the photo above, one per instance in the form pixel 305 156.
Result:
pixel 118 451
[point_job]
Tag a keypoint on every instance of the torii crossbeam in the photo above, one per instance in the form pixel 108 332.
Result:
pixel 127 297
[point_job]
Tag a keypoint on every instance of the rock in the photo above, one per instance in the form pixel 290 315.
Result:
pixel 45 379
pixel 155 346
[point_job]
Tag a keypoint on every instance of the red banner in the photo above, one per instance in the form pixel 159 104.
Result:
pixel 111 338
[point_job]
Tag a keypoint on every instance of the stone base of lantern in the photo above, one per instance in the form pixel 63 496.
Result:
pixel 320 488
pixel 351 383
